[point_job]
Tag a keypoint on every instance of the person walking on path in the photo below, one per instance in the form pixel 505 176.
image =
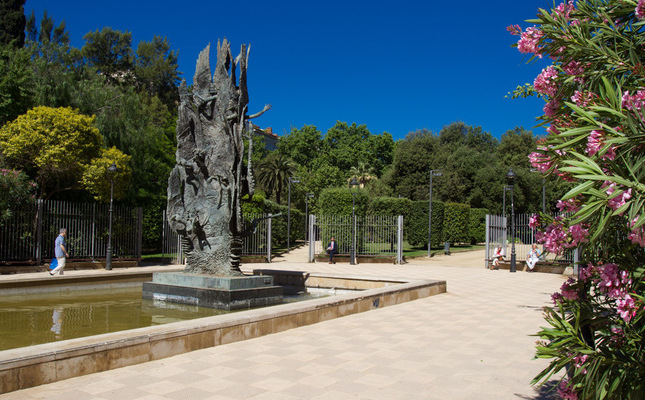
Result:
pixel 332 249
pixel 60 252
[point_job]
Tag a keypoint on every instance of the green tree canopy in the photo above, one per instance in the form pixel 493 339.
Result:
pixel 12 23
pixel 53 145
pixel 110 52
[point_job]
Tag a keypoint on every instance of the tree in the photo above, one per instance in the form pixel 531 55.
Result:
pixel 96 180
pixel 595 108
pixel 110 52
pixel 274 173
pixel 15 190
pixel 12 23
pixel 52 145
pixel 302 145
pixel 412 163
pixel 362 173
pixel 16 83
pixel 155 68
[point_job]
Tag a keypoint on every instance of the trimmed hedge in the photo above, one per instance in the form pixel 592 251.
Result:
pixel 416 224
pixel 456 223
pixel 390 206
pixel 477 222
pixel 338 201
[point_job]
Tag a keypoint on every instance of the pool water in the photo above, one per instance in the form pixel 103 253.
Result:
pixel 30 319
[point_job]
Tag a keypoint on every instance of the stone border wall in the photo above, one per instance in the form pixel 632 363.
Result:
pixel 37 365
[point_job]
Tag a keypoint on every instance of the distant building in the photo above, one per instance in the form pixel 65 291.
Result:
pixel 270 138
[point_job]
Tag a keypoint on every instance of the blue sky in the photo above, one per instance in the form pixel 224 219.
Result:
pixel 393 66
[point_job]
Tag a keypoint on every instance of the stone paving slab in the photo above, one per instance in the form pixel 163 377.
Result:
pixel 472 342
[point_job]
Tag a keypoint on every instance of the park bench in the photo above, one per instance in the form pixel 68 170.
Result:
pixel 549 266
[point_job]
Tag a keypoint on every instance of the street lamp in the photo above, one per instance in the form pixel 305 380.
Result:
pixel 352 255
pixel 112 170
pixel 510 178
pixel 432 173
pixel 291 180
pixel 506 188
pixel 307 197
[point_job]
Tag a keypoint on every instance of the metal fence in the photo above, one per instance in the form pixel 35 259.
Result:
pixel 29 234
pixel 369 235
pixel 257 244
pixel 498 232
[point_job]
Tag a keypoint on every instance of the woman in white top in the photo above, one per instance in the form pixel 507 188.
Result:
pixel 498 255
pixel 533 257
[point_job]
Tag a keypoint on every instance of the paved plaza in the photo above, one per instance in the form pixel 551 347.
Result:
pixel 473 342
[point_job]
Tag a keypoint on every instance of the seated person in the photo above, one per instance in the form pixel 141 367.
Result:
pixel 498 255
pixel 533 257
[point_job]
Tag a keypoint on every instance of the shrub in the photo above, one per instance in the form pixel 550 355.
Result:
pixel 456 224
pixel 416 224
pixel 477 225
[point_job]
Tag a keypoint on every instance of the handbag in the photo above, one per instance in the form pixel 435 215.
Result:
pixel 54 263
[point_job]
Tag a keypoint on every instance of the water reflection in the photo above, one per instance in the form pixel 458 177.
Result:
pixel 31 319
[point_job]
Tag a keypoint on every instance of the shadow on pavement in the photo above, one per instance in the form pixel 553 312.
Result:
pixel 548 391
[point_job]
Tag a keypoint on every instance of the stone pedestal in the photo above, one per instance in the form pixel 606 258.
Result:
pixel 222 292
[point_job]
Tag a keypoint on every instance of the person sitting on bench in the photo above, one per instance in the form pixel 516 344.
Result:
pixel 498 256
pixel 533 257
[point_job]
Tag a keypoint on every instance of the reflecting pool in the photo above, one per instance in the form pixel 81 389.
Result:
pixel 36 318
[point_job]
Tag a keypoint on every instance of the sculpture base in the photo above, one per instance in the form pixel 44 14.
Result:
pixel 222 292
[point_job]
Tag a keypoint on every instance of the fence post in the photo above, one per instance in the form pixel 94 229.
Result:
pixel 269 226
pixel 39 231
pixel 487 256
pixel 399 240
pixel 140 233
pixel 312 238
pixel 576 260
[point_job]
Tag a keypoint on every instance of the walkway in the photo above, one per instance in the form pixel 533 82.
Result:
pixel 472 342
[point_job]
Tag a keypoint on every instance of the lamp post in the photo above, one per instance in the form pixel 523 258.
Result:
pixel 112 169
pixel 506 188
pixel 291 180
pixel 432 173
pixel 307 197
pixel 510 178
pixel 352 255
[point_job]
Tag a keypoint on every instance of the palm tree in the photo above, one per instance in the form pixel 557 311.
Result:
pixel 363 173
pixel 273 174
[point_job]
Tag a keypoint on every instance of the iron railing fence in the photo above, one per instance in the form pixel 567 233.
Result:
pixel 29 234
pixel 499 231
pixel 257 244
pixel 370 235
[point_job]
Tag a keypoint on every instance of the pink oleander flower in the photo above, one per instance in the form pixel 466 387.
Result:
pixel 545 82
pixel 564 10
pixel 568 291
pixel 566 392
pixel 556 297
pixel 553 130
pixel 572 205
pixel 582 99
pixel 514 29
pixel 540 161
pixel 640 9
pixel 594 142
pixel 529 41
pixel 626 308
pixel 579 360
pixel 636 101
pixel 620 200
pixel 587 272
pixel 613 281
pixel 573 68
pixel 610 154
pixel 551 108
pixel 554 238
pixel 579 234
pixel 637 236
pixel 534 221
